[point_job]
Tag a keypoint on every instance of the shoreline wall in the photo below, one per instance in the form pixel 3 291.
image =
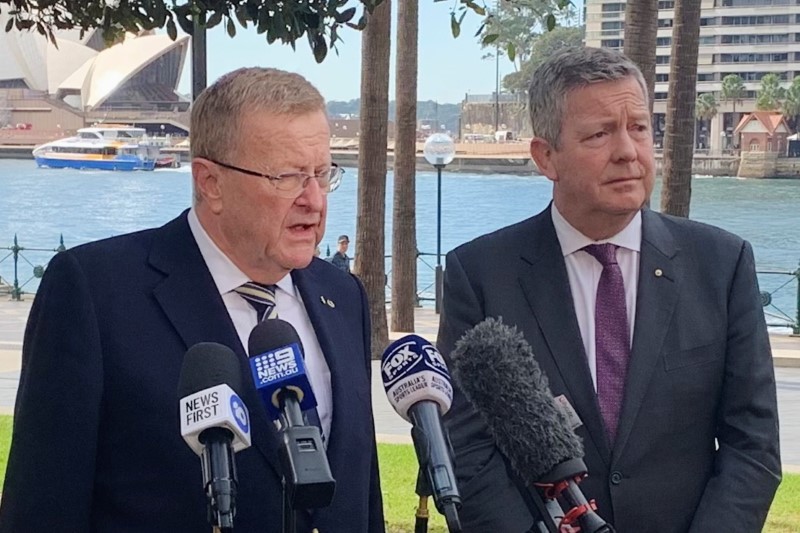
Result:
pixel 750 165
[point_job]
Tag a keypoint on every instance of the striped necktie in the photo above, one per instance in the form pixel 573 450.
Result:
pixel 261 297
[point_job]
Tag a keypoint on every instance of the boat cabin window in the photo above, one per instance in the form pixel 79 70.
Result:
pixel 88 135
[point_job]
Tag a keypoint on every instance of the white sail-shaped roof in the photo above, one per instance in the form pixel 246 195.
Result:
pixel 114 66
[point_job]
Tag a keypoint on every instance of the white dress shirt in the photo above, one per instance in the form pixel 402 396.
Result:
pixel 228 277
pixel 584 273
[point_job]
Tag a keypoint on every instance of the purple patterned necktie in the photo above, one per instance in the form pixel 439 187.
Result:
pixel 612 336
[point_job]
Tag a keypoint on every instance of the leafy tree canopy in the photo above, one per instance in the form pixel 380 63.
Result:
pixel 277 19
pixel 706 106
pixel 512 22
pixel 771 94
pixel 542 47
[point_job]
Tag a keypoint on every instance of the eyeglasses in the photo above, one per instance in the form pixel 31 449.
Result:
pixel 290 185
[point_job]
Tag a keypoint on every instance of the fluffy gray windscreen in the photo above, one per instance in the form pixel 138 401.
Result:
pixel 495 368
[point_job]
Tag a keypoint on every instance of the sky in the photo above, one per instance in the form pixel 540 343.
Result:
pixel 448 67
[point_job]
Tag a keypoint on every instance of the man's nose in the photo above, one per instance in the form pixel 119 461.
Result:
pixel 312 196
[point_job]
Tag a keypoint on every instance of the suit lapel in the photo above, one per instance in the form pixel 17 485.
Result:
pixel 320 300
pixel 192 304
pixel 656 297
pixel 546 287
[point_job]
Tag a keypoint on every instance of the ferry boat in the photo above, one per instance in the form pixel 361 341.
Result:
pixel 103 148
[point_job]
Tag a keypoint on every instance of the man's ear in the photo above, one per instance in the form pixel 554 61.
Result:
pixel 542 154
pixel 206 183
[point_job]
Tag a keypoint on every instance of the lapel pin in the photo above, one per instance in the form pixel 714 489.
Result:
pixel 327 301
pixel 331 304
pixel 322 299
pixel 658 272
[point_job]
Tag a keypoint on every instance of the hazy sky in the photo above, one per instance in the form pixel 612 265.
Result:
pixel 448 68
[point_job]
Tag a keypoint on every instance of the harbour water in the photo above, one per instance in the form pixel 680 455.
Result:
pixel 40 205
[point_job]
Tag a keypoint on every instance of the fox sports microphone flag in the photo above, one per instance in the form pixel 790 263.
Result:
pixel 413 370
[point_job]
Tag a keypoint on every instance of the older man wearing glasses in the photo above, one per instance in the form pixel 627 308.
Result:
pixel 97 444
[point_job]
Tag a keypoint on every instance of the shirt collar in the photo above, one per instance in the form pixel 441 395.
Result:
pixel 227 276
pixel 572 240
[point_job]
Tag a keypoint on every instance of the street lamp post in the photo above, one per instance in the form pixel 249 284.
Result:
pixel 439 151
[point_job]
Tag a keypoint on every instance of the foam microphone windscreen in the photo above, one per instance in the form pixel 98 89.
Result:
pixel 495 368
pixel 206 365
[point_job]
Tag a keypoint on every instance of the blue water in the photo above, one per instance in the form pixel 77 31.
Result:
pixel 39 205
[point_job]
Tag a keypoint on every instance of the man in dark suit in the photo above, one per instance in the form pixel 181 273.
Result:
pixel 661 347
pixel 97 444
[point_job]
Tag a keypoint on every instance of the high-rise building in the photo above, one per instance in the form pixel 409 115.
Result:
pixel 750 38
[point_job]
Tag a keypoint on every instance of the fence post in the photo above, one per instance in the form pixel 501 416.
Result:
pixel 796 327
pixel 16 293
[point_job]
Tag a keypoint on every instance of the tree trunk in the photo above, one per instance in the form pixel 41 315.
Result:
pixel 641 26
pixel 404 224
pixel 374 116
pixel 676 190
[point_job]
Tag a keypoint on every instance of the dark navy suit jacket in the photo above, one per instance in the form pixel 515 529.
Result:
pixel 97 445
pixel 697 445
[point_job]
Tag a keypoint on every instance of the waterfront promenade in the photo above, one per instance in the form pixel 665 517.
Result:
pixel 388 425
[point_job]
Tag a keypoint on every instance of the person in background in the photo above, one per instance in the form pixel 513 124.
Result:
pixel 96 442
pixel 340 259
pixel 650 325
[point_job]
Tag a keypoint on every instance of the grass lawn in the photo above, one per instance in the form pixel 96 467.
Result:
pixel 398 466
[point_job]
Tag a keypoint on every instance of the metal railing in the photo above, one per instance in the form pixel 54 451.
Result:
pixel 16 254
pixel 429 280
pixel 776 316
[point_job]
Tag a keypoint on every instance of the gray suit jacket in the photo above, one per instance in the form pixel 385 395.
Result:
pixel 697 447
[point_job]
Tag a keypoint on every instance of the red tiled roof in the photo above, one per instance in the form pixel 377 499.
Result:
pixel 770 121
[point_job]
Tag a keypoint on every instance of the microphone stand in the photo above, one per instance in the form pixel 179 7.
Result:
pixel 423 490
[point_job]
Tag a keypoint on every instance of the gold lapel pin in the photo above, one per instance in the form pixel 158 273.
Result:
pixel 658 272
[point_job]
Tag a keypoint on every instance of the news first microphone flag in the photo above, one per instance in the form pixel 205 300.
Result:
pixel 217 406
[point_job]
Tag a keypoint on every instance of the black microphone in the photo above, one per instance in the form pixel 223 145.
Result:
pixel 495 369
pixel 279 374
pixel 417 384
pixel 214 423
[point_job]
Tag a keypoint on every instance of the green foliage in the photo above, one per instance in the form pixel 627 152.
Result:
pixel 771 94
pixel 733 89
pixel 543 46
pixel 791 105
pixel 706 106
pixel 513 22
pixel 276 19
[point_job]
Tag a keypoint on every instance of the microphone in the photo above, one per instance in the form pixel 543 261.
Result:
pixel 214 423
pixel 495 369
pixel 279 374
pixel 418 386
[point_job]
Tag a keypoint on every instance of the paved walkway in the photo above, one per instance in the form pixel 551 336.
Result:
pixel 388 424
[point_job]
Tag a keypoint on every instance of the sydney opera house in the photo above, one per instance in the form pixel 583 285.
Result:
pixel 48 91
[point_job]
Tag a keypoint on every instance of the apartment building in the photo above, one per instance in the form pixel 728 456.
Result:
pixel 750 38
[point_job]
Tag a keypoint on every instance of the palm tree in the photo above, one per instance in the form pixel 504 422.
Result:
pixel 374 115
pixel 404 223
pixel 771 94
pixel 676 192
pixel 641 26
pixel 791 105
pixel 705 109
pixel 733 91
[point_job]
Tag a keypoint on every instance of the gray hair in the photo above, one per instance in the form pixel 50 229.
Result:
pixel 569 69
pixel 218 111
